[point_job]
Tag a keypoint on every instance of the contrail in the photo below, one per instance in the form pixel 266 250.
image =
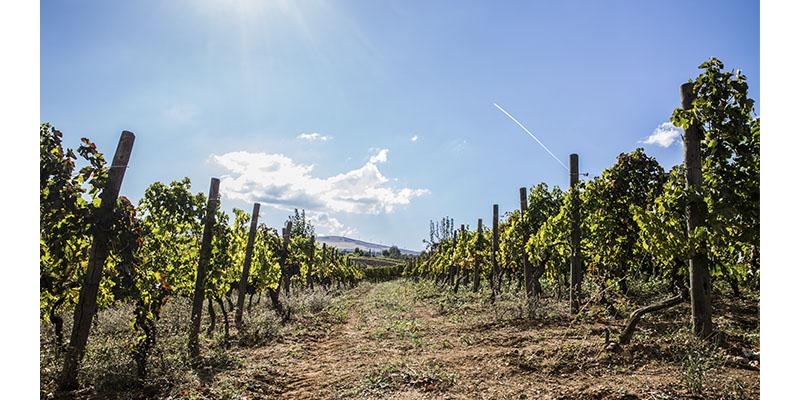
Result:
pixel 534 137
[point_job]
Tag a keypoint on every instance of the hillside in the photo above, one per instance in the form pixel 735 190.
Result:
pixel 347 244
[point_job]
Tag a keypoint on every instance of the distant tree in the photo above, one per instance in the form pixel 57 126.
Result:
pixel 358 252
pixel 392 252
pixel 300 225
pixel 440 231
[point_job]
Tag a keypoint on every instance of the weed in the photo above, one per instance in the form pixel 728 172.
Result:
pixel 396 376
pixel 699 359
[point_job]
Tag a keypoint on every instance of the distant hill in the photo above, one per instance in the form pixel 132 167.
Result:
pixel 348 245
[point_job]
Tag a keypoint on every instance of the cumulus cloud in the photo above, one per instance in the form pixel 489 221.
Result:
pixel 381 156
pixel 277 180
pixel 325 224
pixel 665 135
pixel 314 137
pixel 414 138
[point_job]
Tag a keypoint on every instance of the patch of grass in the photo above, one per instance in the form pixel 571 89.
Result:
pixel 424 289
pixel 108 369
pixel 259 327
pixel 567 357
pixel 698 361
pixel 737 389
pixel 386 299
pixel 399 376
pixel 399 328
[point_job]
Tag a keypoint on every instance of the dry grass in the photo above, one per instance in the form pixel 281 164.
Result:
pixel 109 371
pixel 417 340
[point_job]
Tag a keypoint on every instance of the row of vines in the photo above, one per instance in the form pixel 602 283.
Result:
pixel 156 249
pixel 629 222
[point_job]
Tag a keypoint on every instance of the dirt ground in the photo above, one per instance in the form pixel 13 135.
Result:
pixel 401 340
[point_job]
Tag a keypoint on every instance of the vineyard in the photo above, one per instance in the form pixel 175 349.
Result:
pixel 639 282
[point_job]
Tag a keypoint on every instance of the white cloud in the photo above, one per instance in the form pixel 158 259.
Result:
pixel 414 138
pixel 314 137
pixel 665 135
pixel 277 180
pixel 380 156
pixel 325 224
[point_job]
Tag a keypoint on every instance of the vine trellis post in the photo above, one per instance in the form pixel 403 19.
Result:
pixel 86 308
pixel 248 257
pixel 285 270
pixel 451 270
pixel 495 275
pixel 202 265
pixel 526 265
pixel 699 280
pixel 309 280
pixel 476 283
pixel 575 269
pixel 459 275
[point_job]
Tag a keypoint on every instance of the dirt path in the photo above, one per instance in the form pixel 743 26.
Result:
pixel 324 363
pixel 398 343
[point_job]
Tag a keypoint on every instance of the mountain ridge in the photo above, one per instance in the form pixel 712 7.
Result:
pixel 347 244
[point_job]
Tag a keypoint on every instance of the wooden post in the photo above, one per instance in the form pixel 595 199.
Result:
pixel 699 280
pixel 87 299
pixel 248 257
pixel 526 266
pixel 309 280
pixel 460 271
pixel 476 283
pixel 495 247
pixel 285 273
pixel 324 266
pixel 574 238
pixel 451 273
pixel 202 265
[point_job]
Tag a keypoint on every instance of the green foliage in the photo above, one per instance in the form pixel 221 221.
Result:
pixel 632 216
pixel 65 221
pixel 227 246
pixel 549 245
pixel 265 271
pixel 392 252
pixel 300 225
pixel 512 241
pixel 611 236
pixel 662 227
pixel 730 183
pixel 440 231
pixel 382 273
pixel 172 227
pixel 69 214
pixel 166 260
pixel 68 205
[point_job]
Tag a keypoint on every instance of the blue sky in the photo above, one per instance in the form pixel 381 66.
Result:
pixel 378 116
